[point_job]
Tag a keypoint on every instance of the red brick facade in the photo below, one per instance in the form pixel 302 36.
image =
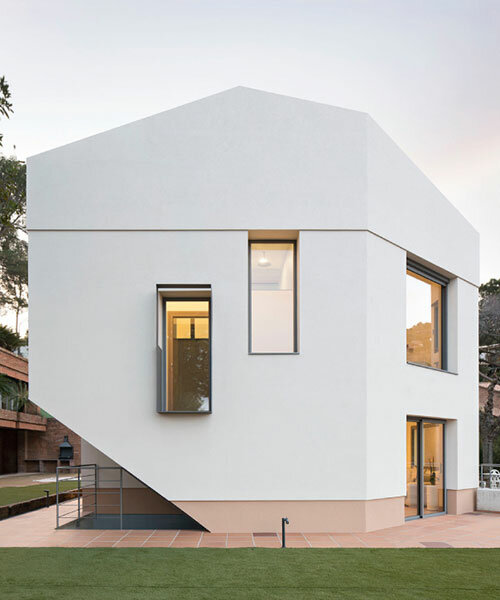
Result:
pixel 40 451
pixel 13 365
pixel 12 419
pixel 28 441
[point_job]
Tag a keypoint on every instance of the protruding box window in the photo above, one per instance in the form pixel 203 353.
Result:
pixel 273 297
pixel 425 312
pixel 185 363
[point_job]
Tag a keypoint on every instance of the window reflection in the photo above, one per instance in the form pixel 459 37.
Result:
pixel 433 468
pixel 423 321
pixel 188 355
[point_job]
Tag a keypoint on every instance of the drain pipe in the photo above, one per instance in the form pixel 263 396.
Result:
pixel 284 521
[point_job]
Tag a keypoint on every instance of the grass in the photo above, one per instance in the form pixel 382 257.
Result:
pixel 11 495
pixel 213 574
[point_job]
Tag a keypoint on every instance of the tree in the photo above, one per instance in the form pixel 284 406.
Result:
pixel 14 393
pixel 489 362
pixel 14 275
pixel 12 178
pixel 12 196
pixel 489 313
pixel 489 424
pixel 492 287
pixel 5 105
pixel 13 249
pixel 9 339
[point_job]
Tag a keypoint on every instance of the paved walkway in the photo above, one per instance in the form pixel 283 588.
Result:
pixel 472 530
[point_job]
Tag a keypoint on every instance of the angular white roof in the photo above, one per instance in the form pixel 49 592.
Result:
pixel 247 159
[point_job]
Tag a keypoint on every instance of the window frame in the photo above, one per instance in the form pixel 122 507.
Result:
pixel 295 298
pixel 443 281
pixel 164 383
pixel 420 454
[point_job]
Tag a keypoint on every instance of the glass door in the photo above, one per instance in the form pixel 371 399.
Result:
pixel 433 465
pixel 425 483
pixel 412 508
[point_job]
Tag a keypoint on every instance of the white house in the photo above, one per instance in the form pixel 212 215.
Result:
pixel 259 307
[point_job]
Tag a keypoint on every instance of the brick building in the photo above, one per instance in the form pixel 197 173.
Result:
pixel 29 438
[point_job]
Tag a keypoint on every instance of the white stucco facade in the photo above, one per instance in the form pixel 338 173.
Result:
pixel 172 199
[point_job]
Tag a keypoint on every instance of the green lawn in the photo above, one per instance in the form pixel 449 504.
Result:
pixel 213 574
pixel 10 495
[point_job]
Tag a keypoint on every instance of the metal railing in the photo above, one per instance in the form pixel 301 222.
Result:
pixel 91 494
pixel 485 473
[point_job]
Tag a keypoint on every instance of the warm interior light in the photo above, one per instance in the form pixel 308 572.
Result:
pixel 263 261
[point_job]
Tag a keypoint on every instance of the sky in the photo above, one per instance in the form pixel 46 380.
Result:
pixel 428 71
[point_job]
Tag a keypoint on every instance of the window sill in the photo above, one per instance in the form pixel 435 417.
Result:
pixel 273 353
pixel 431 368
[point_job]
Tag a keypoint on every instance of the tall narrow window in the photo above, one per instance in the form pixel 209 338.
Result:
pixel 273 285
pixel 425 309
pixel 187 355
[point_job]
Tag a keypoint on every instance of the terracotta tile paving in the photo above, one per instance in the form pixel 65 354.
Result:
pixel 157 544
pixel 471 530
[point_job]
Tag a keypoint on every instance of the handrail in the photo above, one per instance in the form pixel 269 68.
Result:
pixel 90 470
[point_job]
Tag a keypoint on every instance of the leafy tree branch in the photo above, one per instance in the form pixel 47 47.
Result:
pixel 5 105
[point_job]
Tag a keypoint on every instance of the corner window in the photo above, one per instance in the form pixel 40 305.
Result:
pixel 185 356
pixel 425 317
pixel 273 297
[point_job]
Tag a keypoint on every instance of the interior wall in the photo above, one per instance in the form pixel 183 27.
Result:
pixel 272 321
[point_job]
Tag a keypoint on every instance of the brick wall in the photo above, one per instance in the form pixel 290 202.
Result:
pixel 33 446
pixel 13 365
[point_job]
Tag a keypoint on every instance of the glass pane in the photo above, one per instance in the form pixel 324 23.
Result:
pixel 412 470
pixel 272 294
pixel 433 468
pixel 188 355
pixel 182 328
pixel 423 321
pixel 201 328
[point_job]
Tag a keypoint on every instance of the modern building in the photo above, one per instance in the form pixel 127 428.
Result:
pixel 259 307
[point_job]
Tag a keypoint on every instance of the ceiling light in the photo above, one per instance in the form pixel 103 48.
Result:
pixel 263 261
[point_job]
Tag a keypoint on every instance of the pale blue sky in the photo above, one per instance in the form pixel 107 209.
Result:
pixel 427 71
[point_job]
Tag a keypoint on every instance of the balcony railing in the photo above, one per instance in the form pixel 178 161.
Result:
pixel 489 475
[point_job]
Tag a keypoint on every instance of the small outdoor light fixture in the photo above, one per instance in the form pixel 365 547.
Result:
pixel 47 492
pixel 65 450
pixel 284 521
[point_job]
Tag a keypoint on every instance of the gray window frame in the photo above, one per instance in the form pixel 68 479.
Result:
pixel 420 454
pixel 162 406
pixel 295 315
pixel 443 281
